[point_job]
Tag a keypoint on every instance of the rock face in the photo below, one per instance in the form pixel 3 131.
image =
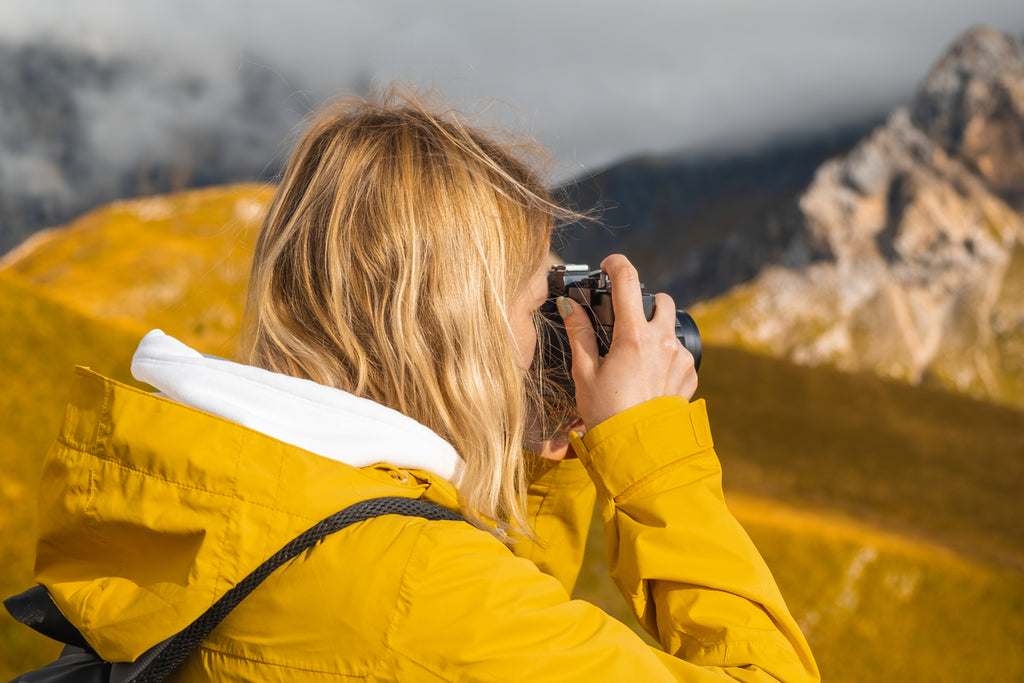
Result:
pixel 972 105
pixel 922 275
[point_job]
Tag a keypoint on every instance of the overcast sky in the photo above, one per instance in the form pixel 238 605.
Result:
pixel 594 80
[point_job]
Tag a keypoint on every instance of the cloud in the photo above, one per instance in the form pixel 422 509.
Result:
pixel 593 80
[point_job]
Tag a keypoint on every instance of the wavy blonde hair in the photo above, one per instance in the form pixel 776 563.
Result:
pixel 394 245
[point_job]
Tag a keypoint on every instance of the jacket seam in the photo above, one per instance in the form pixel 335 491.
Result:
pixel 222 554
pixel 409 522
pixel 418 663
pixel 181 485
pixel 267 551
pixel 721 643
pixel 278 665
pixel 727 645
pixel 644 482
pixel 85 612
pixel 725 642
pixel 108 400
pixel 392 626
pixel 92 494
pixel 538 543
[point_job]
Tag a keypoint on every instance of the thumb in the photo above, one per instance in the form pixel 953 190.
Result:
pixel 582 339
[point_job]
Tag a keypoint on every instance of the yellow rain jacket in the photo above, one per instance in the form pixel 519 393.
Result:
pixel 152 509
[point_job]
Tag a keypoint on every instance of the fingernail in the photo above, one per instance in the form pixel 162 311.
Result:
pixel 564 307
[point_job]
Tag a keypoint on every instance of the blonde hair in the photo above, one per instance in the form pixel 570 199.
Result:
pixel 394 245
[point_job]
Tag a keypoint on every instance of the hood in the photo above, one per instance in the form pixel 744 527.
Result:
pixel 152 507
pixel 317 418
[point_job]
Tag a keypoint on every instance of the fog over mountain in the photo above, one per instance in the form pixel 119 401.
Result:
pixel 113 98
pixel 65 147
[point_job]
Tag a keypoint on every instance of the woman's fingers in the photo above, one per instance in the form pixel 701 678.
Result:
pixel 682 376
pixel 664 314
pixel 626 300
pixel 582 338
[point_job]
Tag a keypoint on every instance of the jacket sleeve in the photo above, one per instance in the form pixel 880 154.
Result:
pixel 560 503
pixel 470 611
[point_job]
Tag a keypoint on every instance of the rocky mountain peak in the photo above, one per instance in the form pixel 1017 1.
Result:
pixel 919 240
pixel 972 104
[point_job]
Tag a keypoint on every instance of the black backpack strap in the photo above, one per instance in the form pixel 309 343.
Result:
pixel 160 660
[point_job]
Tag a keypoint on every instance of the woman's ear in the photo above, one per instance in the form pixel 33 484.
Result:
pixel 557 447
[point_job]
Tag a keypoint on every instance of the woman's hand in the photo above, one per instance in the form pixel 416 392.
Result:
pixel 645 359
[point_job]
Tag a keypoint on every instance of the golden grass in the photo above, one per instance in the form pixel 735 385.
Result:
pixel 176 262
pixel 921 462
pixel 875 610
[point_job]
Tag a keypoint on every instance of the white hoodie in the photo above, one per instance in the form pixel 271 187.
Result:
pixel 314 417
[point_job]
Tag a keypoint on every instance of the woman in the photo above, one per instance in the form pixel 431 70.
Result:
pixel 390 340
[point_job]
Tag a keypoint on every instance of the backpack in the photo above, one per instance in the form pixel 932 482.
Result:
pixel 79 663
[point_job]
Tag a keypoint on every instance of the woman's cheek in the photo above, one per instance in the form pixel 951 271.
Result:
pixel 526 340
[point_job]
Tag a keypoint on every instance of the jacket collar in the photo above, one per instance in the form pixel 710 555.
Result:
pixel 314 417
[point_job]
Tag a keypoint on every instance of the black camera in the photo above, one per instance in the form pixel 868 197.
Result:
pixel 591 290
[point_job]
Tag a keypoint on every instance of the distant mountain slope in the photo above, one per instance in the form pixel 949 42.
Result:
pixel 178 262
pixel 922 462
pixel 919 246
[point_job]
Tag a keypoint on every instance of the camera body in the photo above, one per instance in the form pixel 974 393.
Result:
pixel 590 289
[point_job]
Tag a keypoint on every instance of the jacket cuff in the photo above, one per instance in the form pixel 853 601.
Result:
pixel 638 442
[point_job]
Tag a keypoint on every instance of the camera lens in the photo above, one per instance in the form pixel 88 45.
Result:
pixel 687 333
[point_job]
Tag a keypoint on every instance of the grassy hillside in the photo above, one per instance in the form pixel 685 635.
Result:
pixel 922 462
pixel 876 607
pixel 176 262
pixel 890 514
